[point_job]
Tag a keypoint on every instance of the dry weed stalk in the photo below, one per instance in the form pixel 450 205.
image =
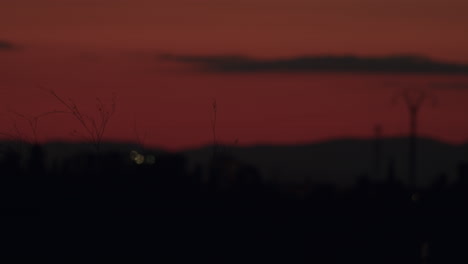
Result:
pixel 93 127
pixel 32 121
pixel 140 139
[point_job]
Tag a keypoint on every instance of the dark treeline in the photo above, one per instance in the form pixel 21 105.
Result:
pixel 238 211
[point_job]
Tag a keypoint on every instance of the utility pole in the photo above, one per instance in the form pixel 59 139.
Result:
pixel 414 100
pixel 377 151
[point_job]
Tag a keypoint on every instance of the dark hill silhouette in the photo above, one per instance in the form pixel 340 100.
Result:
pixel 339 162
pixel 343 161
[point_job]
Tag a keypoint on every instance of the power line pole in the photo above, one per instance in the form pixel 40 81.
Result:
pixel 377 150
pixel 414 100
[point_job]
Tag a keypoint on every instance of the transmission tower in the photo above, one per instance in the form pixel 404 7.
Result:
pixel 414 100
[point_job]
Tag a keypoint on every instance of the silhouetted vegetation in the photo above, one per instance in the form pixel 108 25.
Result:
pixel 371 222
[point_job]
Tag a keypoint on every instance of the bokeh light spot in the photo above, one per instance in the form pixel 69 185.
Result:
pixel 150 159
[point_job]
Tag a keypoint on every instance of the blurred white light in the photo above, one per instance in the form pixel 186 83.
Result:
pixel 133 155
pixel 139 159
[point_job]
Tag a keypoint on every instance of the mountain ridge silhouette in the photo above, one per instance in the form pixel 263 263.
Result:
pixel 340 161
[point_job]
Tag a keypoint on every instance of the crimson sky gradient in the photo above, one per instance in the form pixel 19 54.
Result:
pixel 88 48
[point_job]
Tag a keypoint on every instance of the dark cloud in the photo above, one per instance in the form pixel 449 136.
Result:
pixel 390 64
pixel 5 45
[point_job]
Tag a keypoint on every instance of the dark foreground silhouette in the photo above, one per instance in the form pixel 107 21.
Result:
pixel 129 207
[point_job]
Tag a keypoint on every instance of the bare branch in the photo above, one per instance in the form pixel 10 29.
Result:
pixel 140 140
pixel 32 122
pixel 94 127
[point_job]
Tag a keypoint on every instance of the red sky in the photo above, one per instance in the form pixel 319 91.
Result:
pixel 88 48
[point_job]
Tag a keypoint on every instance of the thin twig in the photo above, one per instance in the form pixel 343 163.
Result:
pixel 94 128
pixel 32 122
